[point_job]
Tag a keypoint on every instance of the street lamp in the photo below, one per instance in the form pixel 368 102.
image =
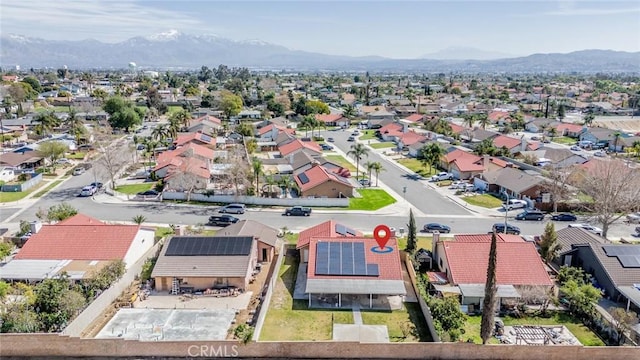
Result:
pixel 506 210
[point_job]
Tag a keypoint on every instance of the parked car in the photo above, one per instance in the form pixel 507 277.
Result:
pixel 351 138
pixel 433 227
pixel 88 191
pixel 97 185
pixel 564 217
pixel 142 174
pixel 364 182
pixel 634 218
pixel 78 171
pixel 511 229
pixel 297 211
pixel 141 147
pixel 233 209
pixel 330 139
pixel 588 227
pixel 600 153
pixel 575 148
pixel 149 193
pixel 515 204
pixel 355 133
pixel 326 147
pixel 222 220
pixel 530 215
pixel 442 176
pixel 63 161
pixel 86 166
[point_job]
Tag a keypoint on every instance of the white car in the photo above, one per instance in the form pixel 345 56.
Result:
pixel 88 191
pixel 515 204
pixel 442 176
pixel 634 218
pixel 588 227
pixel 600 153
pixel 64 161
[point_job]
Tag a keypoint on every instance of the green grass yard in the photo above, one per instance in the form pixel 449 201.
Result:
pixel 78 155
pixel 15 196
pixel 382 145
pixel 340 160
pixel 407 324
pixel 133 189
pixel 581 332
pixel 372 199
pixel 46 190
pixel 484 200
pixel 416 166
pixel 368 135
pixel 564 140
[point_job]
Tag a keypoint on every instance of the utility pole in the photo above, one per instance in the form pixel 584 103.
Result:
pixel 506 211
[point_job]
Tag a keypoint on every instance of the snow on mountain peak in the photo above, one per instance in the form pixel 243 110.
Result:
pixel 254 42
pixel 165 36
pixel 19 38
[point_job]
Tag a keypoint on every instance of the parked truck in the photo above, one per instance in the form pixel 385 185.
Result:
pixel 297 211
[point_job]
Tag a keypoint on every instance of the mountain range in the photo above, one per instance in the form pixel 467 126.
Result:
pixel 175 50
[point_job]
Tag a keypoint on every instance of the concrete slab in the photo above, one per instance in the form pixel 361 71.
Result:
pixel 168 325
pixel 301 283
pixel 239 302
pixel 361 333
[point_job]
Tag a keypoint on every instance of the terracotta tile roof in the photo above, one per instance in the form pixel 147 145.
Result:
pixel 411 137
pixel 192 166
pixel 266 129
pixel 460 154
pixel 328 118
pixel 318 175
pixel 507 141
pixel 326 229
pixel 497 115
pixel 415 117
pixel 207 118
pixel 499 162
pixel 518 263
pixel 389 265
pixel 576 128
pixel 392 129
pixel 457 129
pixel 465 164
pixel 80 219
pixel 195 136
pixel 199 150
pixel 534 145
pixel 297 144
pixel 68 241
pixel 487 238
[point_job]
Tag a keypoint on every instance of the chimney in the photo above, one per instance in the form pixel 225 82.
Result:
pixel 434 246
pixel 178 231
pixel 35 226
pixel 523 144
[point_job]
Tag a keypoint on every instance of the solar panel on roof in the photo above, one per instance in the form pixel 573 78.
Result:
pixel 341 229
pixel 303 178
pixel 629 261
pixel 343 258
pixel 209 246
pixel 322 258
pixel 372 270
pixel 347 259
pixel 628 255
pixel 205 138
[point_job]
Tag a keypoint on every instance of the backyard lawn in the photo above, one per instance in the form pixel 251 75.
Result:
pixel 382 145
pixel 416 166
pixel 340 160
pixel 581 332
pixel 133 189
pixel 484 200
pixel 407 324
pixel 372 199
pixel 15 196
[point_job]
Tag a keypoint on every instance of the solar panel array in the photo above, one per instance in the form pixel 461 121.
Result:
pixel 205 138
pixel 303 178
pixel 209 246
pixel 344 231
pixel 343 258
pixel 628 255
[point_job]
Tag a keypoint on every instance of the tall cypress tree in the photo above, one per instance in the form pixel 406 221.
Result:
pixel 490 289
pixel 411 233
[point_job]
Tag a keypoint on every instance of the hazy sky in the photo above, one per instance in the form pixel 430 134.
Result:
pixel 397 29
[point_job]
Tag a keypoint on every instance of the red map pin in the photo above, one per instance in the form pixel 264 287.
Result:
pixel 382 239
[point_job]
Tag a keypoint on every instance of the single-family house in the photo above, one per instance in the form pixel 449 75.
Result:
pixel 167 161
pixel 569 129
pixel 79 246
pixel 538 125
pixel 392 131
pixel 463 263
pixel 598 135
pixel 516 183
pixel 615 267
pixel 199 263
pixel 415 118
pixel 514 145
pixel 462 164
pixel 623 142
pixel 405 110
pixel 310 147
pixel 409 138
pixel 249 115
pixel 197 138
pixel 206 124
pixel 353 271
pixel 320 182
pixel 22 160
pixel 327 229
pixel 333 120
pixel 266 237
pixel 190 174
pixel 558 158
pixel 7 173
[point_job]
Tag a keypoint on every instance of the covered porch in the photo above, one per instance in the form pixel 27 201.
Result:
pixel 350 293
pixel 473 295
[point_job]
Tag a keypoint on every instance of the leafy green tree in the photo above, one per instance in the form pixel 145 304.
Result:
pixel 60 212
pixel 244 129
pixel 448 319
pixel 490 290
pixel 18 318
pixel 549 246
pixel 4 289
pixel 411 234
pixel 181 117
pixel 256 165
pixel 358 151
pixel 430 154
pixel 230 104
pixel 624 321
pixel 45 123
pixel 125 119
pixel 576 274
pixel 52 150
pixel 588 119
pixel 34 83
pixel 316 107
pixel 56 303
pixel 5 249
pixel 581 298
pixel 154 100
pixel 104 278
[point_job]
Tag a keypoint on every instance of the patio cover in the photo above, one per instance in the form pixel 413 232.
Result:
pixel 34 270
pixel 355 286
pixel 477 290
pixel 632 293
pixel 447 288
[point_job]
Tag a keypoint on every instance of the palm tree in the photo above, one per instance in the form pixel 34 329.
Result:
pixel 256 164
pixel 160 132
pixel 358 151
pixel 349 112
pixel 180 118
pixel 286 183
pixel 553 132
pixel 139 219
pixel 483 119
pixel 469 120
pixel 45 123
pixel 430 154
pixel 270 181
pixel 76 126
pixel 588 119
pixel 306 123
pixel 377 168
pixel 369 165
pixel 616 136
pixel 636 147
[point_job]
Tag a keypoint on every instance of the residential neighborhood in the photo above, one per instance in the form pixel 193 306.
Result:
pixel 162 206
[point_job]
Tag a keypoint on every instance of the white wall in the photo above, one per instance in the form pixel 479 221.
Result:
pixel 140 245
pixel 7 175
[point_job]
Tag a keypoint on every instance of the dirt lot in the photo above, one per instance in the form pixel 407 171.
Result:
pixel 622 123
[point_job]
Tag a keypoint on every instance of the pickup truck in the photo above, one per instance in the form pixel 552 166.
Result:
pixel 297 211
pixel 442 176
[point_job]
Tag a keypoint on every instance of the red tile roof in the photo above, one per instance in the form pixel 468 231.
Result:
pixel 509 142
pixel 457 129
pixel 487 238
pixel 415 117
pixel 460 154
pixel 195 136
pixel 389 265
pixel 497 115
pixel 78 239
pixel 318 175
pixel 325 229
pixel 575 128
pixel 192 166
pixel 411 137
pixel 328 118
pixel 266 129
pixel 297 144
pixel 207 118
pixel 518 263
pixel 466 164
pixel 392 129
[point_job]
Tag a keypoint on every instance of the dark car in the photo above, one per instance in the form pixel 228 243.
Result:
pixel 499 228
pixel 351 138
pixel 149 193
pixel 222 220
pixel 326 147
pixel 432 227
pixel 330 139
pixel 530 215
pixel 564 217
pixel 98 185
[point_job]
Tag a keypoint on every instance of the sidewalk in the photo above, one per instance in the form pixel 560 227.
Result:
pixel 29 200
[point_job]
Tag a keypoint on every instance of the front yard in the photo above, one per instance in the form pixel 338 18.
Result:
pixel 484 200
pixel 382 145
pixel 341 161
pixel 581 332
pixel 416 166
pixel 372 199
pixel 133 189
pixel 15 196
pixel 368 135
pixel 564 140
